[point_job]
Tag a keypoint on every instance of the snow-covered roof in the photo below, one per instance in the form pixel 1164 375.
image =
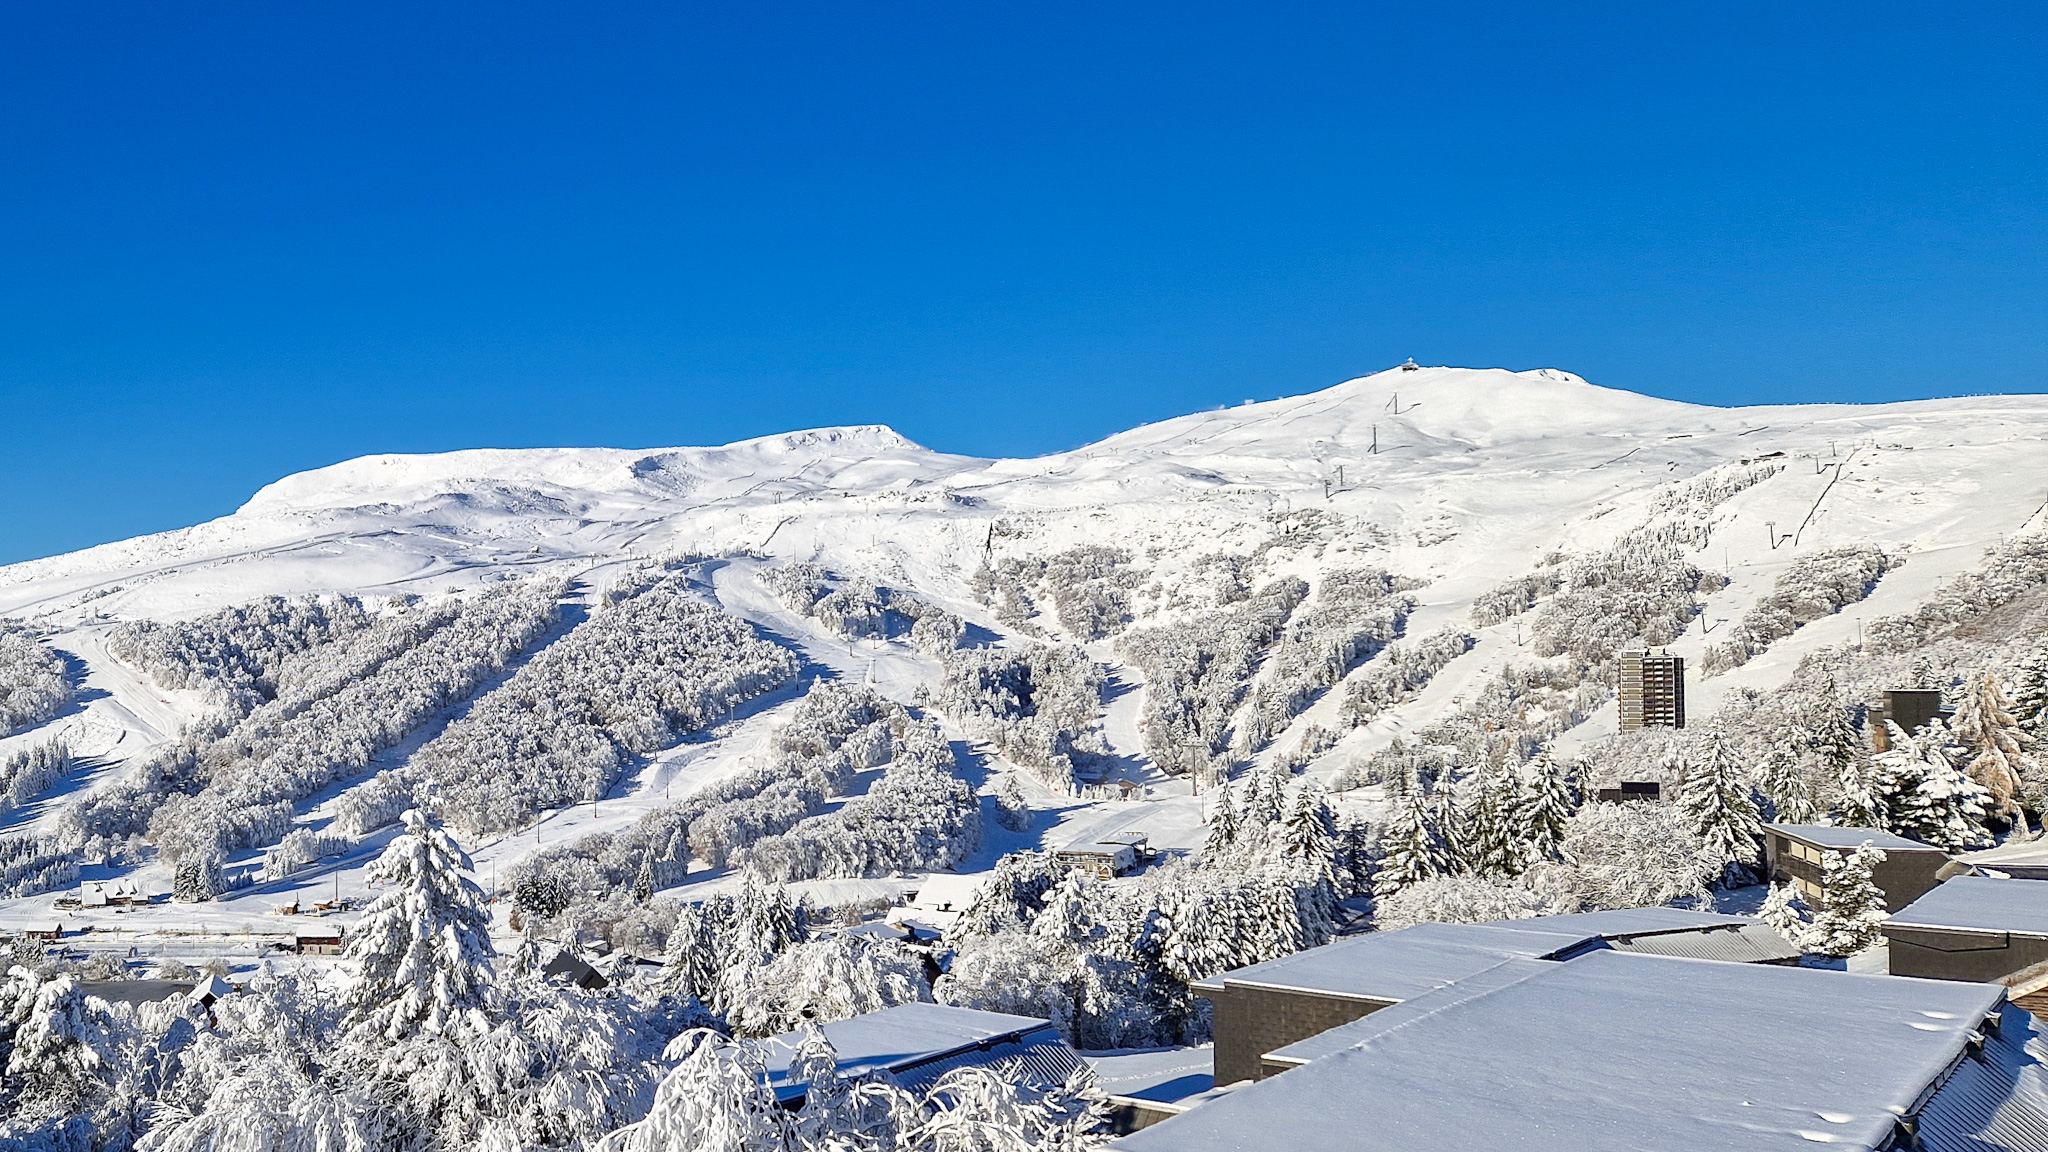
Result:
pixel 1162 1075
pixel 1981 902
pixel 212 988
pixel 1613 1053
pixel 2030 856
pixel 895 1039
pixel 945 892
pixel 1626 922
pixel 1395 966
pixel 1830 836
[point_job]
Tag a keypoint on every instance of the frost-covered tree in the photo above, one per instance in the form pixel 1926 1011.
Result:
pixel 1783 782
pixel 1457 900
pixel 1221 838
pixel 1013 812
pixel 1851 915
pixel 33 684
pixel 1492 833
pixel 1548 801
pixel 1308 830
pixel 51 1066
pixel 1413 843
pixel 1624 856
pixel 1995 746
pixel 1722 811
pixel 1785 911
pixel 1928 798
pixel 824 980
pixel 1835 739
pixel 423 947
pixel 196 879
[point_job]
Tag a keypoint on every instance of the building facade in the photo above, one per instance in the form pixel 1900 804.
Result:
pixel 1652 690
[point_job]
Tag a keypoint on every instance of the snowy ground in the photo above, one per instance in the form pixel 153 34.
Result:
pixel 1477 474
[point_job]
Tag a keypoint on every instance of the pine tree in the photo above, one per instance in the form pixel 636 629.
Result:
pixel 1851 915
pixel 1413 842
pixel 1722 811
pixel 1308 832
pixel 1548 803
pixel 1994 742
pixel 1864 794
pixel 1492 825
pixel 1930 799
pixel 423 947
pixel 1785 912
pixel 1784 784
pixel 195 880
pixel 2030 695
pixel 1012 810
pixel 1920 673
pixel 1835 739
pixel 1066 914
pixel 1223 826
pixel 643 883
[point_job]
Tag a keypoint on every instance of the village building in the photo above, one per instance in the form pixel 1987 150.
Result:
pixel 1797 854
pixel 1910 708
pixel 318 943
pixel 1266 1007
pixel 1106 857
pixel 937 905
pixel 1620 1052
pixel 918 1043
pixel 1975 928
pixel 1651 690
pixel 569 968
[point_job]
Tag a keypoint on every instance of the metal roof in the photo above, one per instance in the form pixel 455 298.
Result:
pixel 1996 1098
pixel 1754 943
pixel 1981 903
pixel 1626 921
pixel 1614 1052
pixel 916 1037
pixel 1830 836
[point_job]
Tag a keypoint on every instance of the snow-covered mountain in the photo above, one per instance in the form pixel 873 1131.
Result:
pixel 1452 481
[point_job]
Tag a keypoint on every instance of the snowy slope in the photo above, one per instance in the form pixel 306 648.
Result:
pixel 1459 478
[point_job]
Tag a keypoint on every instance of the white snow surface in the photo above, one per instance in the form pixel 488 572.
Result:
pixel 1458 477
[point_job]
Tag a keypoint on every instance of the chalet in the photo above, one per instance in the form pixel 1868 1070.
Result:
pixel 210 990
pixel 134 991
pixel 1631 790
pixel 318 943
pixel 937 906
pixel 49 931
pixel 1797 854
pixel 569 968
pixel 918 1043
pixel 1108 857
pixel 1620 1052
pixel 1972 928
pixel 1262 1009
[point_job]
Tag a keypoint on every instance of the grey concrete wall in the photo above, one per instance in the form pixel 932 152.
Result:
pixel 1955 954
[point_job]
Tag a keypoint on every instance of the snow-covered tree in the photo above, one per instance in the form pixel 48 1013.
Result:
pixel 1457 900
pixel 1308 830
pixel 1548 802
pixel 196 879
pixel 1851 915
pixel 825 980
pixel 1928 798
pixel 1835 739
pixel 1994 744
pixel 1624 856
pixel 1782 780
pixel 1785 911
pixel 716 1097
pixel 1723 813
pixel 1413 843
pixel 1221 838
pixel 1013 812
pixel 1492 840
pixel 51 1066
pixel 423 947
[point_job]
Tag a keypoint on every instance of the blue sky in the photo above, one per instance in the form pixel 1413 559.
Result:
pixel 237 241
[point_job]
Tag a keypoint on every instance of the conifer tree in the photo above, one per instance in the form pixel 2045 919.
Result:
pixel 1783 783
pixel 423 947
pixel 2030 695
pixel 1221 839
pixel 1835 739
pixel 1722 811
pixel 1012 811
pixel 1785 912
pixel 1414 846
pixel 1993 742
pixel 1864 794
pixel 1851 915
pixel 1930 799
pixel 1308 832
pixel 1492 825
pixel 1548 802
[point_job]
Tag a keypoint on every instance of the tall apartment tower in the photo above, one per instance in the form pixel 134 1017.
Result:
pixel 1652 690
